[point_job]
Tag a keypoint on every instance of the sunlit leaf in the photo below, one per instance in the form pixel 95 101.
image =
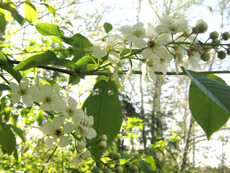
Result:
pixel 30 12
pixel 19 132
pixel 207 113
pixel 103 104
pixel 48 29
pixel 8 141
pixel 3 22
pixel 146 167
pixel 78 41
pixel 50 8
pixel 45 58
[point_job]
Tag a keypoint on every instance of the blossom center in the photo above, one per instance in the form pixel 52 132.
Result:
pixel 70 111
pixel 23 91
pixel 58 133
pixel 47 99
pixel 137 33
pixel 150 63
pixel 151 44
pixel 109 48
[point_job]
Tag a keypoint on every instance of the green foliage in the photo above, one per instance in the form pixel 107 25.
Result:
pixel 209 115
pixel 8 66
pixel 108 27
pixel 30 12
pixel 48 29
pixel 3 22
pixel 103 104
pixel 45 58
pixel 8 141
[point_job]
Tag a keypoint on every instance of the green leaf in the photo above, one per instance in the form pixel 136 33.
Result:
pixel 48 29
pixel 8 66
pixel 104 105
pixel 151 161
pixel 145 167
pixel 30 12
pixel 217 91
pixel 3 22
pixel 78 41
pixel 207 113
pixel 4 87
pixel 46 58
pixel 9 7
pixel 19 132
pixel 108 27
pixel 8 141
pixel 50 8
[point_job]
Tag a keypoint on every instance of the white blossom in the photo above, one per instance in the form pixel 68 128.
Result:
pixel 48 99
pixel 56 130
pixel 23 91
pixel 172 26
pixel 111 46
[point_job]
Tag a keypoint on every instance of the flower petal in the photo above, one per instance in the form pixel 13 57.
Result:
pixel 64 141
pixel 114 58
pixel 15 98
pixel 68 127
pixel 50 142
pixel 58 121
pixel 14 87
pixel 26 99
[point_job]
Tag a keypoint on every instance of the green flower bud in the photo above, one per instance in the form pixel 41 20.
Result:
pixel 117 156
pixel 214 35
pixel 81 145
pixel 225 36
pixel 103 138
pixel 134 168
pixel 202 27
pixel 112 154
pixel 205 56
pixel 128 164
pixel 221 54
pixel 102 145
pixel 216 41
pixel 119 169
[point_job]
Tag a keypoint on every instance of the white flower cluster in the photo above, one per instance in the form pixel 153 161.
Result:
pixel 69 118
pixel 158 45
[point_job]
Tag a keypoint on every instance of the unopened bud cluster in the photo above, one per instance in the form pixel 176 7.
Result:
pixel 102 142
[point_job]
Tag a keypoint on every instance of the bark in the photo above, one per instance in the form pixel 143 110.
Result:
pixel 186 146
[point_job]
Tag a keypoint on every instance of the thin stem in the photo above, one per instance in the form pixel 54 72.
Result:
pixel 49 158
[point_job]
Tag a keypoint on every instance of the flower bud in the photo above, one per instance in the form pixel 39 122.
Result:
pixel 221 54
pixel 81 145
pixel 205 56
pixel 202 27
pixel 225 36
pixel 112 154
pixel 134 168
pixel 102 145
pixel 103 138
pixel 119 169
pixel 117 156
pixel 217 42
pixel 214 35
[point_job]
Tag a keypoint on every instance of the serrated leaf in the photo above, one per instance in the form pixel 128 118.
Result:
pixel 104 105
pixel 209 115
pixel 8 141
pixel 108 27
pixel 3 22
pixel 46 58
pixel 50 8
pixel 217 91
pixel 48 29
pixel 19 132
pixel 30 12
